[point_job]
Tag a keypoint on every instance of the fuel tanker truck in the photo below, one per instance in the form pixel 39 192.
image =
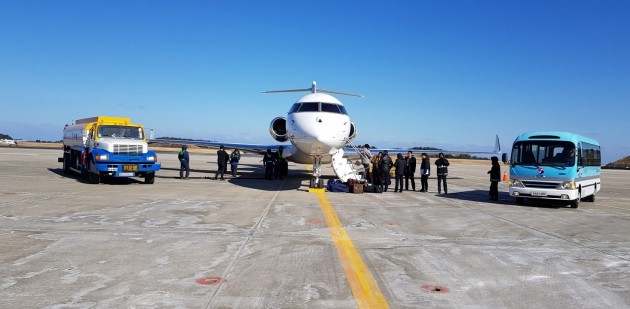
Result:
pixel 104 146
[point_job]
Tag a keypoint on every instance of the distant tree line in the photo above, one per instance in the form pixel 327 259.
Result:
pixel 5 136
pixel 184 139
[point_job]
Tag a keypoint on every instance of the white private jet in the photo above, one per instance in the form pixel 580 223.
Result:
pixel 319 129
pixel 9 142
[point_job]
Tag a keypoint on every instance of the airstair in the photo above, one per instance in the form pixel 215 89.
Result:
pixel 344 168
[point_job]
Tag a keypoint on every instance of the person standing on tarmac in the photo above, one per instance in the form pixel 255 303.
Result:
pixel 222 157
pixel 410 170
pixel 495 177
pixel 442 172
pixel 385 164
pixel 235 156
pixel 366 156
pixel 184 161
pixel 376 172
pixel 280 164
pixel 401 166
pixel 425 171
pixel 269 161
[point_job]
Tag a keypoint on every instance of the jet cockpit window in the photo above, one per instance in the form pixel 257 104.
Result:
pixel 330 108
pixel 309 107
pixel 294 108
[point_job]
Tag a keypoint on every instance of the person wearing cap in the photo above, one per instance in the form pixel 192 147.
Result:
pixel 222 158
pixel 366 155
pixel 184 161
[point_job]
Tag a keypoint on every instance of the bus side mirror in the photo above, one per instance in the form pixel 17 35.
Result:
pixel 504 157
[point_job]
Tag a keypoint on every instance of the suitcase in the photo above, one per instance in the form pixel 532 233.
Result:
pixel 356 188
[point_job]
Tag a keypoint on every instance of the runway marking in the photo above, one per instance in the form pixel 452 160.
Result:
pixel 364 288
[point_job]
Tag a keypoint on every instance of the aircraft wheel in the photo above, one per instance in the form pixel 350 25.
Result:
pixel 320 183
pixel 311 183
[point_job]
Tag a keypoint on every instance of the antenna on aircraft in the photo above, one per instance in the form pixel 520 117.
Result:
pixel 314 89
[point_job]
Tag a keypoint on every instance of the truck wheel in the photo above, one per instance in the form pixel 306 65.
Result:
pixel 149 178
pixel 95 178
pixel 66 164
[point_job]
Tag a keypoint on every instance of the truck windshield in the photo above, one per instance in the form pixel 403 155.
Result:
pixel 120 132
pixel 548 153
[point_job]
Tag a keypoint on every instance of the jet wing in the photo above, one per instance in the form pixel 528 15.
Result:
pixel 351 152
pixel 254 148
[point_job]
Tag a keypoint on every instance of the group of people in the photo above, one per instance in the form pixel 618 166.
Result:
pixel 276 166
pixel 223 159
pixel 379 170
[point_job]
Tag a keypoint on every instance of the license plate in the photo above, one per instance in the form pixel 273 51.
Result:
pixel 130 168
pixel 539 193
pixel 127 174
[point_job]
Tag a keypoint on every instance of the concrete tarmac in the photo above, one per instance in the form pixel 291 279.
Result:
pixel 253 243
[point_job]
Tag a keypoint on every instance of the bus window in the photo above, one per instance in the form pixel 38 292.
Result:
pixel 552 153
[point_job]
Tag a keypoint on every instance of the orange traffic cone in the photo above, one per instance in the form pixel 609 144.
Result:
pixel 505 176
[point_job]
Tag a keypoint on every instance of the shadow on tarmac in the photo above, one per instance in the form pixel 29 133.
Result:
pixel 504 198
pixel 105 180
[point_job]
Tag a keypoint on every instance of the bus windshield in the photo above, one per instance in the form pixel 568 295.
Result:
pixel 120 132
pixel 544 153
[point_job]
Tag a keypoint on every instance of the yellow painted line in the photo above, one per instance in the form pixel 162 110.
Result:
pixel 364 288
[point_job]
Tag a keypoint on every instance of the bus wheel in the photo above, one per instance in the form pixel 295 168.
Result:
pixel 520 201
pixel 149 178
pixel 590 198
pixel 575 203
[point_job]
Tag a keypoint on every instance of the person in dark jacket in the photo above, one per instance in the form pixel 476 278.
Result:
pixel 495 177
pixel 280 164
pixel 269 161
pixel 425 171
pixel 385 164
pixel 235 156
pixel 222 158
pixel 184 161
pixel 410 170
pixel 376 171
pixel 442 172
pixel 400 165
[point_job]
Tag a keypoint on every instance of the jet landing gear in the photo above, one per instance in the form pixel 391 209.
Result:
pixel 316 182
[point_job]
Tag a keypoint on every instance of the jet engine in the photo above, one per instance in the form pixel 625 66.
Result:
pixel 353 131
pixel 278 129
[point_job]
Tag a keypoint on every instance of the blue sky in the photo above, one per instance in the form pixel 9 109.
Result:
pixel 448 74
